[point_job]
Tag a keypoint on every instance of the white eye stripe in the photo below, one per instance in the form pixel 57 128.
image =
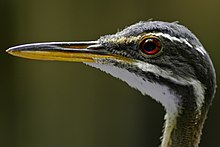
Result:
pixel 200 49
pixel 172 38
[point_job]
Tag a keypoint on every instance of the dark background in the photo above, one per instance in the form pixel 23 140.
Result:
pixel 54 104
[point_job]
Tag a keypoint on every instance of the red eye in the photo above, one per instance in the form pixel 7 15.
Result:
pixel 150 46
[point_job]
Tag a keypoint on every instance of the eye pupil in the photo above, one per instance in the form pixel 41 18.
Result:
pixel 150 46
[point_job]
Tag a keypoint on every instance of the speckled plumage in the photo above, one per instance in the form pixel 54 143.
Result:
pixel 181 76
pixel 188 62
pixel 185 58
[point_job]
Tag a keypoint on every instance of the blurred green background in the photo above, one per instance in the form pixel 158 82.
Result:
pixel 54 104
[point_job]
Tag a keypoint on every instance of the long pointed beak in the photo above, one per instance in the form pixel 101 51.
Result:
pixel 88 51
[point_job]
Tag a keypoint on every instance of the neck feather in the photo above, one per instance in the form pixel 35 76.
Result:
pixel 185 106
pixel 184 128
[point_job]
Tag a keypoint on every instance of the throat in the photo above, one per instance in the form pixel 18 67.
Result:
pixel 185 110
pixel 183 129
pixel 146 83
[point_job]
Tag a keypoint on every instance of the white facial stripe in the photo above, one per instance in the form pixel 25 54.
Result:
pixel 199 89
pixel 201 50
pixel 171 38
pixel 181 40
pixel 158 92
pixel 186 42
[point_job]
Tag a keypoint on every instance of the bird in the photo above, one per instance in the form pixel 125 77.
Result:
pixel 163 60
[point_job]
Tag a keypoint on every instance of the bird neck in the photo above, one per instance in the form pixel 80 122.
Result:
pixel 184 128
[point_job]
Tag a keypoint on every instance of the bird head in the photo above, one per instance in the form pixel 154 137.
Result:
pixel 160 59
